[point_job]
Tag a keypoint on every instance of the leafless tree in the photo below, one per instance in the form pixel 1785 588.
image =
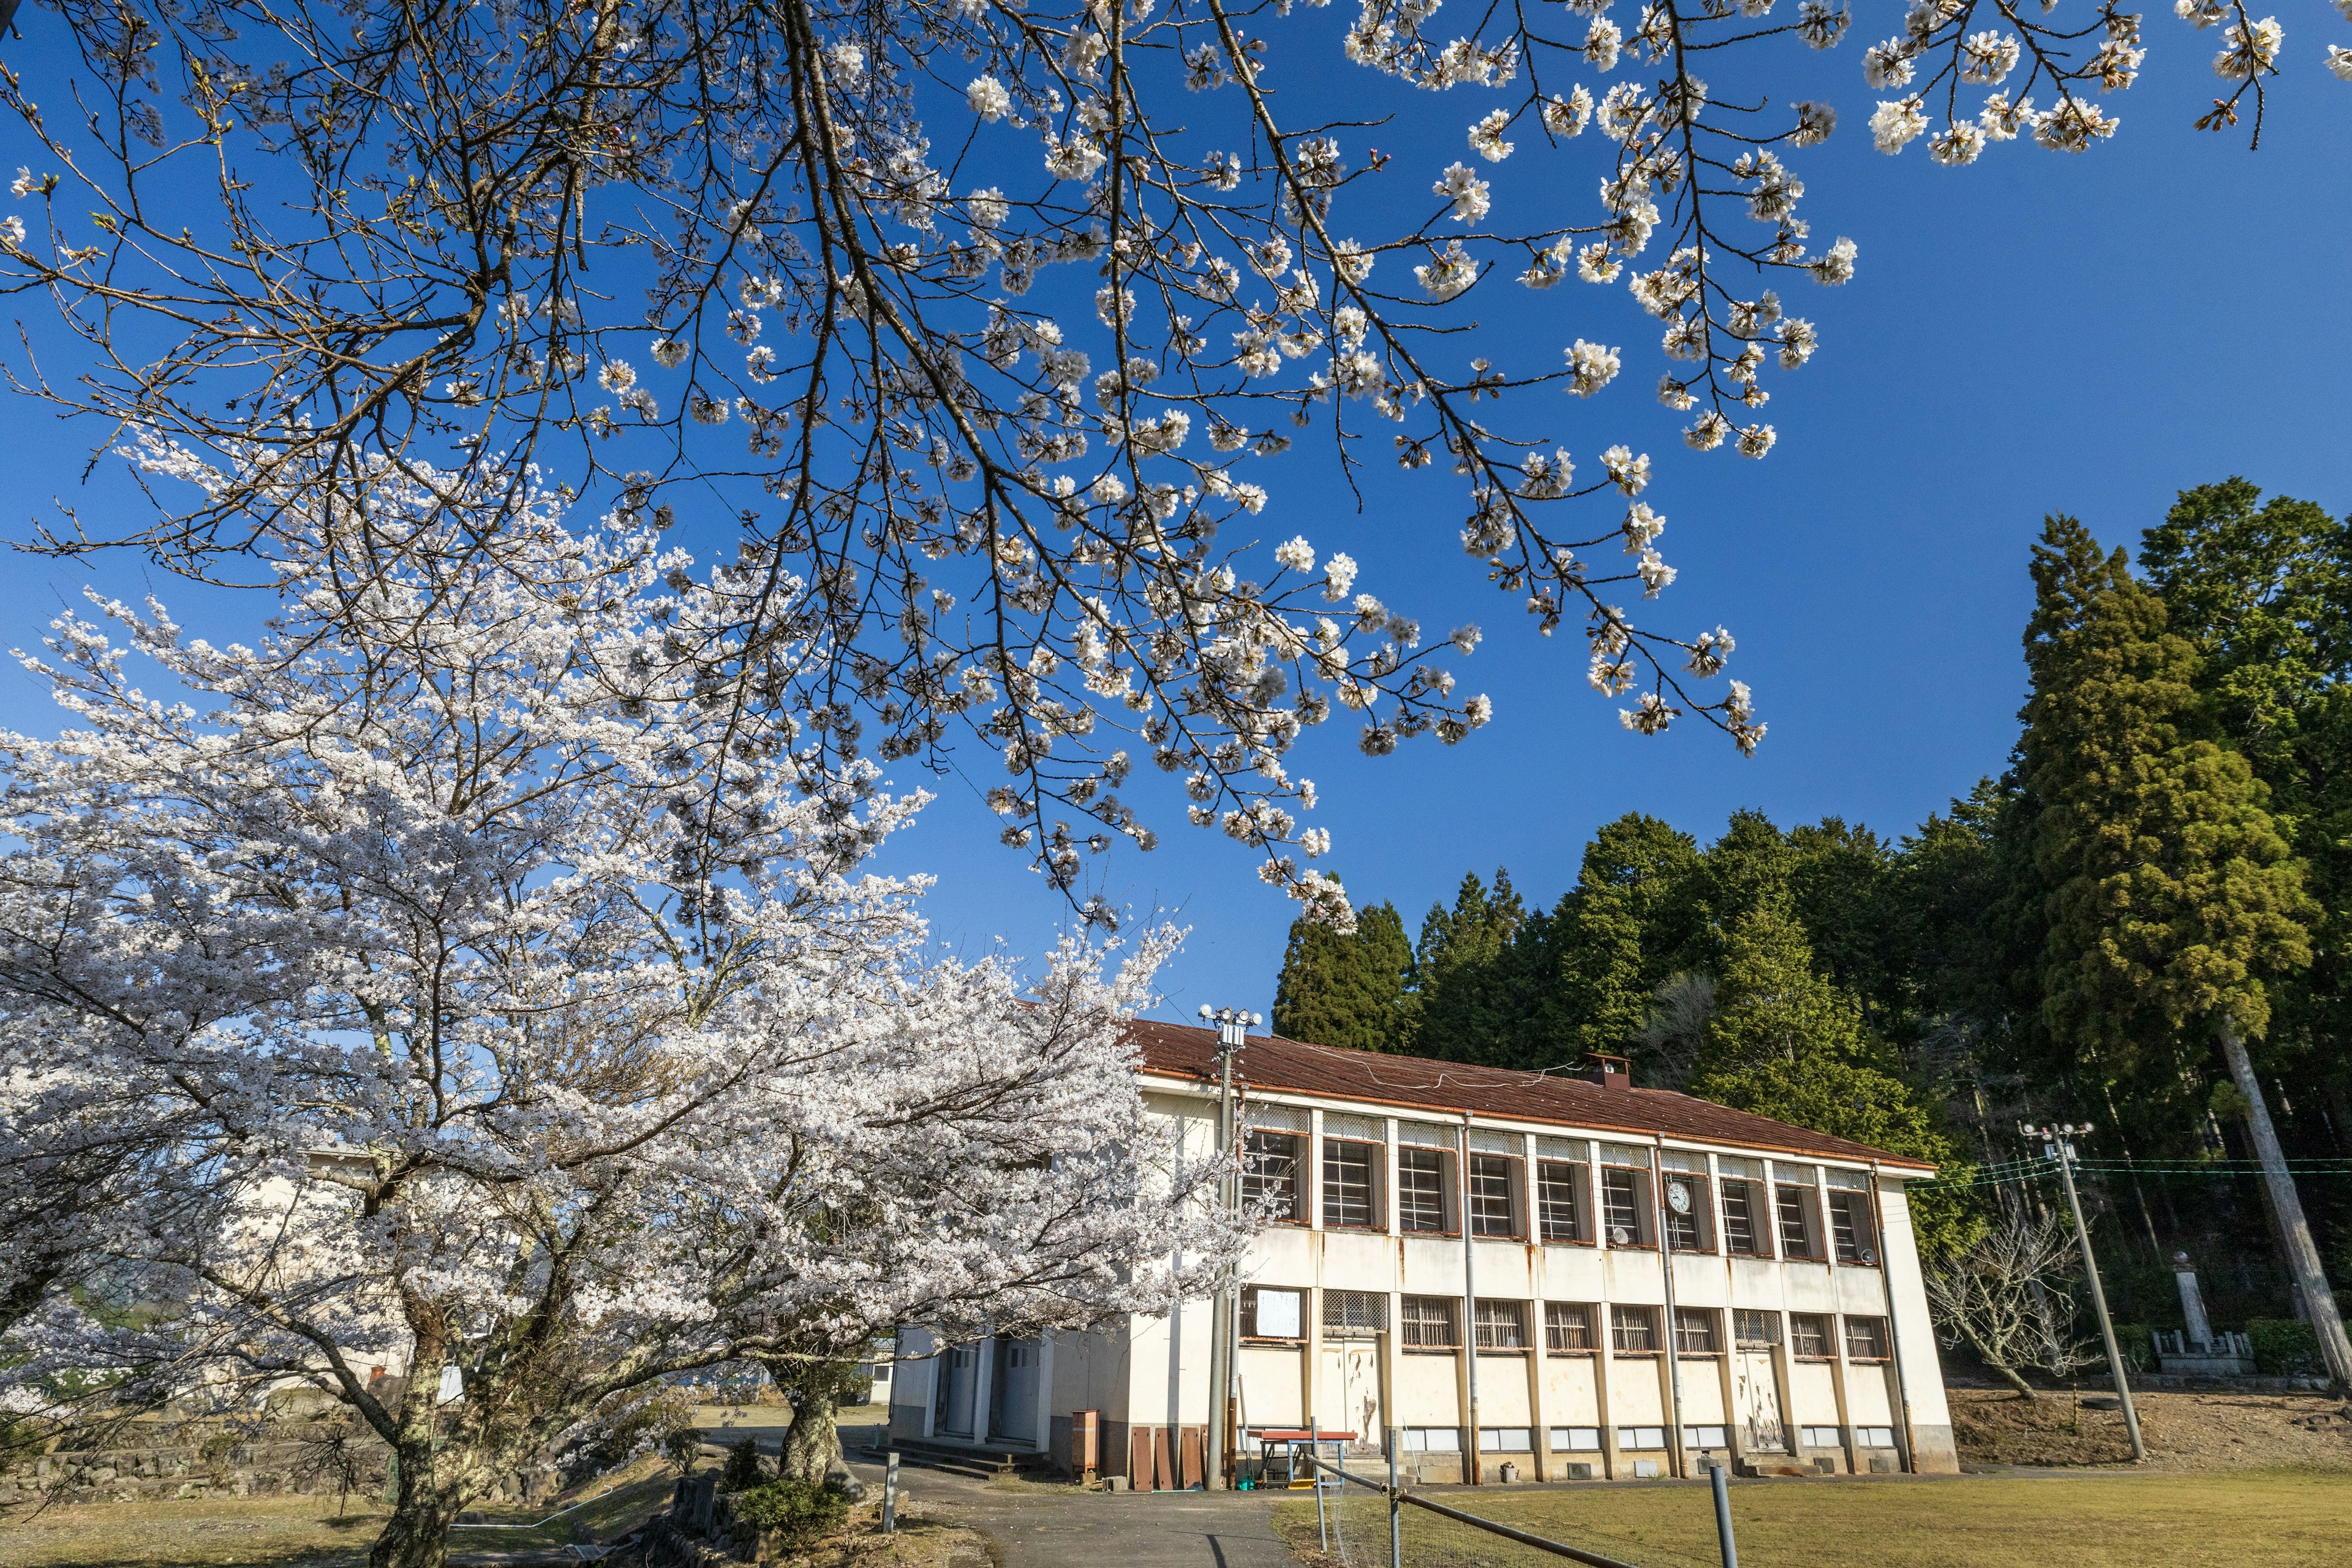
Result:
pixel 2008 1297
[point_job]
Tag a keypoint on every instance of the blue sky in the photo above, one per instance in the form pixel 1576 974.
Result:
pixel 2039 332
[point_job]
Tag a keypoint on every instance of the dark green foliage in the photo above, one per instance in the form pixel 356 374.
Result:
pixel 801 1513
pixel 1617 937
pixel 1348 990
pixel 742 1471
pixel 1469 969
pixel 2285 1347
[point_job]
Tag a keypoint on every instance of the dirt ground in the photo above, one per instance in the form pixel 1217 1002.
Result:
pixel 2183 1431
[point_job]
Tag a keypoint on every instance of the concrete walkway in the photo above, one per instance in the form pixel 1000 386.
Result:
pixel 1039 1525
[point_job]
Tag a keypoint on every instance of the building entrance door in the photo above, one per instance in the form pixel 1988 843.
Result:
pixel 1756 1402
pixel 1348 1390
pixel 1014 1392
pixel 959 1378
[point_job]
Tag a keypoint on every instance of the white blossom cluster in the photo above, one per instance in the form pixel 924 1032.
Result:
pixel 990 360
pixel 455 977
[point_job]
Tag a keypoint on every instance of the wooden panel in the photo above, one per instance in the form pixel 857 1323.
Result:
pixel 1163 1461
pixel 1195 1444
pixel 1139 1469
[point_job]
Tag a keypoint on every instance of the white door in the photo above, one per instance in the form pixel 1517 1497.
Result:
pixel 1756 1403
pixel 1015 1395
pixel 959 1376
pixel 1348 1390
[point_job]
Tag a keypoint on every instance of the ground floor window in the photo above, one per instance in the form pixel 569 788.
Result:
pixel 1705 1437
pixel 1433 1439
pixel 1506 1439
pixel 1576 1440
pixel 1430 1324
pixel 1271 1314
pixel 1865 1339
pixel 1641 1437
pixel 1818 1437
pixel 1874 1436
pixel 1634 1329
pixel 1354 1314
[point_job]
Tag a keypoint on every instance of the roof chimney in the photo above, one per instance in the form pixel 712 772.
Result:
pixel 1608 1071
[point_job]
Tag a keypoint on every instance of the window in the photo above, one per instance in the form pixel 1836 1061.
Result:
pixel 1797 1227
pixel 1493 1201
pixel 1755 1331
pixel 1351 1185
pixel 1850 1228
pixel 1865 1339
pixel 1502 1325
pixel 1634 1329
pixel 1742 1208
pixel 1506 1439
pixel 1430 1324
pixel 1705 1437
pixel 1818 1437
pixel 1808 1336
pixel 1433 1439
pixel 1270 1173
pixel 1689 1230
pixel 1568 1326
pixel 1641 1437
pixel 1421 1189
pixel 1561 1210
pixel 1874 1436
pixel 1354 1314
pixel 1695 1332
pixel 1625 1205
pixel 1271 1314
pixel 1575 1439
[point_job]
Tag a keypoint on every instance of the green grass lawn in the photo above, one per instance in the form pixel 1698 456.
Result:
pixel 2263 1519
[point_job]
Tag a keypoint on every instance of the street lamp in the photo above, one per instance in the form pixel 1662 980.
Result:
pixel 2057 1144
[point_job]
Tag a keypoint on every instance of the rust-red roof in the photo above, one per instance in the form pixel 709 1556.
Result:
pixel 1424 1083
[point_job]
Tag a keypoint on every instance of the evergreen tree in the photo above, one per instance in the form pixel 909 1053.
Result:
pixel 1616 938
pixel 1352 991
pixel 1840 885
pixel 1749 866
pixel 1470 971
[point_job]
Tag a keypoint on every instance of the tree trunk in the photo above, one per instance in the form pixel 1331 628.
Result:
pixel 2010 1375
pixel 2295 1231
pixel 812 1442
pixel 417 1533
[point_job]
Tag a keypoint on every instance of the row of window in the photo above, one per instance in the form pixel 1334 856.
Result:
pixel 1432 1192
pixel 1435 1323
pixel 1630 1439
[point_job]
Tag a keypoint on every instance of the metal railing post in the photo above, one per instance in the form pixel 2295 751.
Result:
pixel 1396 1505
pixel 1723 1518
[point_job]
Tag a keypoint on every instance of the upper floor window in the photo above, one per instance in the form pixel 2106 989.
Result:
pixel 1801 1229
pixel 1695 1332
pixel 1690 1217
pixel 1559 1200
pixel 1421 1189
pixel 1270 1173
pixel 1493 1196
pixel 1625 1205
pixel 1849 1228
pixel 1743 1220
pixel 1568 1326
pixel 1351 1185
pixel 1502 1325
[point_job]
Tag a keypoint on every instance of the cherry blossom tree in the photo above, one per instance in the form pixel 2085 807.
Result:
pixel 978 316
pixel 476 988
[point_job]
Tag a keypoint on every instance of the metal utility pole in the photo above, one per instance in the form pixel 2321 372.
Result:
pixel 1666 1267
pixel 1233 1034
pixel 2057 1144
pixel 1472 1467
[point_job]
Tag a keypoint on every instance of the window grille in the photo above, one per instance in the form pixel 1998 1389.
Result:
pixel 1430 1324
pixel 1695 1332
pixel 1275 1117
pixel 1561 1213
pixel 1427 1134
pixel 1850 1228
pixel 1270 1173
pixel 1631 1154
pixel 1487 1141
pixel 1421 1189
pixel 1354 1314
pixel 1796 1213
pixel 1622 1207
pixel 1502 1325
pixel 1568 1326
pixel 1740 1233
pixel 1688 1232
pixel 1633 1331
pixel 1350 1184
pixel 1491 1197
pixel 1575 1149
pixel 1808 1336
pixel 1754 1329
pixel 1865 1339
pixel 1355 1128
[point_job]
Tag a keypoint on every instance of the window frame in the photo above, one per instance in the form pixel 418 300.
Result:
pixel 1704 1321
pixel 1447 1174
pixel 1637 1446
pixel 1645 1226
pixel 1514 1174
pixel 1776 1331
pixel 1579 1231
pixel 1701 1219
pixel 1250 1154
pixel 1877 1334
pixel 1247 1311
pixel 1490 1440
pixel 1798 1325
pixel 1331 1190
pixel 1410 1328
pixel 1510 1312
pixel 1343 1329
pixel 1622 1317
pixel 1564 1440
pixel 1861 1219
pixel 1809 1217
pixel 1761 1239
pixel 1556 1331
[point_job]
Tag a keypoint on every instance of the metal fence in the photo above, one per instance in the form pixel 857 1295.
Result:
pixel 1376 1521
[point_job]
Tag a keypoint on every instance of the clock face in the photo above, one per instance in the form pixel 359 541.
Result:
pixel 1678 1196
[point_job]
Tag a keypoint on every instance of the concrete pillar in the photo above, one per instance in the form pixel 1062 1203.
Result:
pixel 2193 1301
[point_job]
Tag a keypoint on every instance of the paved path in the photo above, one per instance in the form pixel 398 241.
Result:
pixel 1037 1525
